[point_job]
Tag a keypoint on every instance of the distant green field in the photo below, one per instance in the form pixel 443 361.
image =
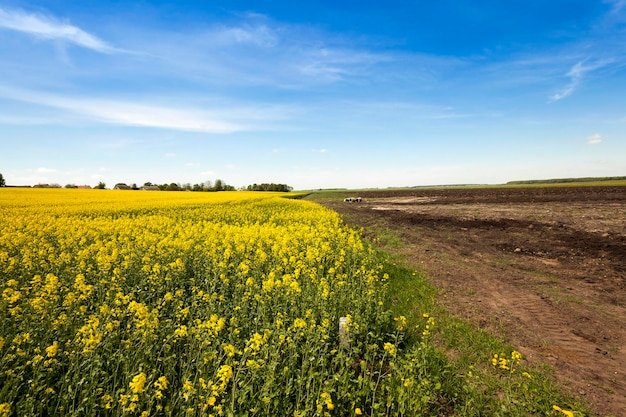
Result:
pixel 574 181
pixel 559 182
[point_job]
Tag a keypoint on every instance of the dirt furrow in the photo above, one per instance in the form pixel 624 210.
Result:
pixel 545 267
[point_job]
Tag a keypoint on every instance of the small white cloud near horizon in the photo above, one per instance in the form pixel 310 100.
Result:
pixel 48 28
pixel 44 170
pixel 594 139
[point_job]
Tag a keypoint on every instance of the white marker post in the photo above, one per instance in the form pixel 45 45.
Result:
pixel 344 333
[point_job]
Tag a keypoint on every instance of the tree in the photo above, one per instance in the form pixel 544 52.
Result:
pixel 269 187
pixel 172 187
pixel 101 186
pixel 2 181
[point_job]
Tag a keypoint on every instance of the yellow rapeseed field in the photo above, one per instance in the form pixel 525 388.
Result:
pixel 152 303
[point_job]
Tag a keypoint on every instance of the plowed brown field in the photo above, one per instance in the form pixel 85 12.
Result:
pixel 544 267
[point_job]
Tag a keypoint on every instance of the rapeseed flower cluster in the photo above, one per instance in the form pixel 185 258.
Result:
pixel 508 364
pixel 136 304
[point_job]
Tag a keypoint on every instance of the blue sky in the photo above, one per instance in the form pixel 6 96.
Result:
pixel 314 94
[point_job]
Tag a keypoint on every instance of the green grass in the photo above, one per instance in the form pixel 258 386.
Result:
pixel 459 354
pixel 580 182
pixel 473 385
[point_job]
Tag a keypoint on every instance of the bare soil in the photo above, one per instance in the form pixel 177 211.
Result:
pixel 544 267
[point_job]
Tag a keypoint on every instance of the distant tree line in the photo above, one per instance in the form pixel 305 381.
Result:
pixel 567 180
pixel 269 187
pixel 218 185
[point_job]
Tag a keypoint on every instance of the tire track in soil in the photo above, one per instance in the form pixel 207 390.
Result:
pixel 555 286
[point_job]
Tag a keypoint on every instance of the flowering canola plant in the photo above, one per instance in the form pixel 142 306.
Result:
pixel 137 303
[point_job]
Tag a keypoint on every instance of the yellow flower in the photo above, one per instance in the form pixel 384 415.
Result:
pixel 5 409
pixel 107 400
pixel 51 350
pixel 255 342
pixel 138 383
pixel 328 401
pixel 401 322
pixel 390 348
pixel 229 349
pixel 225 373
pixel 181 331
pixel 568 413
pixel 299 323
pixel 357 411
pixel 161 383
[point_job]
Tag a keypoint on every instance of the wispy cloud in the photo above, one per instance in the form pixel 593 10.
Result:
pixel 576 74
pixel 47 27
pixel 227 119
pixel 617 5
pixel 258 51
pixel 260 35
pixel 594 139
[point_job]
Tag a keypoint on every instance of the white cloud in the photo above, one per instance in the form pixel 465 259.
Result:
pixel 258 35
pixel 170 155
pixel 48 28
pixel 44 170
pixel 594 139
pixel 618 5
pixel 576 74
pixel 259 51
pixel 138 114
pixel 207 173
